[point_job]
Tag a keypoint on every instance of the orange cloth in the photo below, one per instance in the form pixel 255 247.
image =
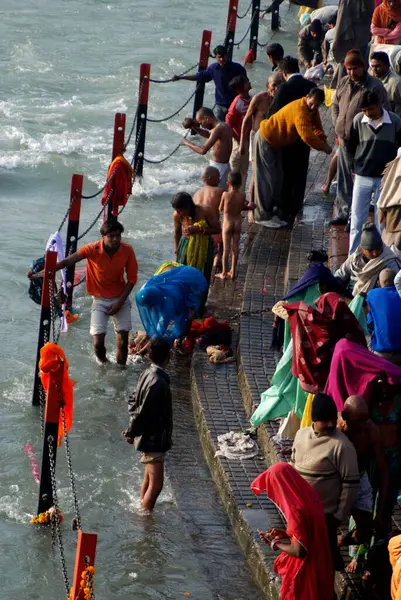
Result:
pixel 121 183
pixel 292 122
pixel 394 548
pixel 382 17
pixel 104 273
pixel 51 356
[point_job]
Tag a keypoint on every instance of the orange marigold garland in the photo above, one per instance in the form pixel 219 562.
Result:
pixel 44 518
pixel 86 584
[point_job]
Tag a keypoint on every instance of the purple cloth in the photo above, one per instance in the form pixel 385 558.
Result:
pixel 316 273
pixel 353 369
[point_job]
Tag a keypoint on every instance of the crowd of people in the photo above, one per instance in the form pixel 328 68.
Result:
pixel 337 386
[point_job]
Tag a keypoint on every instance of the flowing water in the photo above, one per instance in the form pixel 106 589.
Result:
pixel 67 66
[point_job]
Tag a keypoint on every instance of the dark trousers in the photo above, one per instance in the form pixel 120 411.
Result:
pixel 295 161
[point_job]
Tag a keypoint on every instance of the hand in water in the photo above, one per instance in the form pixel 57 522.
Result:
pixel 127 438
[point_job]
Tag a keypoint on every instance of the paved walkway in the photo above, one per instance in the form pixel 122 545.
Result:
pixel 224 396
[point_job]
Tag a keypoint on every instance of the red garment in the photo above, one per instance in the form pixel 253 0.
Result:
pixel 236 114
pixel 120 186
pixel 315 332
pixel 311 577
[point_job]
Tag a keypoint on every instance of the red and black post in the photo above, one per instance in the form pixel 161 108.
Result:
pixel 45 319
pixel 230 29
pixel 143 98
pixel 73 230
pixel 52 416
pixel 118 149
pixel 203 62
pixel 84 557
pixel 254 32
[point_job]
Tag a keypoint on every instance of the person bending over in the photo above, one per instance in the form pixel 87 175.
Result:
pixel 107 261
pixel 151 421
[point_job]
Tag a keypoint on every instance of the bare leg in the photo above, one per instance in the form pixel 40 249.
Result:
pixel 331 173
pixel 122 347
pixel 217 258
pixel 226 250
pixel 235 249
pixel 156 480
pixel 100 348
pixel 145 484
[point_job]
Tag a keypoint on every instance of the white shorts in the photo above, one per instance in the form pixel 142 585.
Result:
pixel 251 140
pixel 223 169
pixel 100 318
pixel 364 499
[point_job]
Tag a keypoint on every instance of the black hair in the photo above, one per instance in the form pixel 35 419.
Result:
pixel 235 179
pixel 238 82
pixel 316 26
pixel 159 351
pixel 109 226
pixel 221 50
pixel 276 51
pixel 370 98
pixel 289 65
pixel 206 112
pixel 332 20
pixel 382 57
pixel 183 200
pixel 317 93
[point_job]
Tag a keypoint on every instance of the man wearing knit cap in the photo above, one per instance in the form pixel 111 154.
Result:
pixel 360 272
pixel 310 40
pixel 327 460
pixel 346 105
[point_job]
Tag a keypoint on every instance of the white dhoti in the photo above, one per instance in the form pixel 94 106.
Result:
pixel 223 169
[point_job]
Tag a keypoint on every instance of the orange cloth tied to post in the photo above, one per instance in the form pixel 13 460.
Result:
pixel 120 184
pixel 51 357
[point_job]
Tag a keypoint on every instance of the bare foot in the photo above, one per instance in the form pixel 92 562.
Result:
pixel 352 567
pixel 251 217
pixel 221 275
pixel 231 275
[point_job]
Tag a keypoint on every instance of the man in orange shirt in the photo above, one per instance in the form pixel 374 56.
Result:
pixel 107 261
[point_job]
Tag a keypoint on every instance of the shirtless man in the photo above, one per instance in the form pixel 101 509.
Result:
pixel 209 196
pixel 219 139
pixel 232 204
pixel 258 109
pixel 365 436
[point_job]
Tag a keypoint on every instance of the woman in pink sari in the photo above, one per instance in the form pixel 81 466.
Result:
pixel 304 563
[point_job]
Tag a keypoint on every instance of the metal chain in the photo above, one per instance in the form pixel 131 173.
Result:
pixel 50 440
pixel 56 336
pixel 97 216
pixel 81 280
pixel 136 115
pixel 67 213
pixel 138 135
pixel 255 15
pixel 245 13
pixel 42 405
pixel 69 463
pixel 268 41
pixel 180 75
pixel 158 162
pixel 177 111
pixel 101 189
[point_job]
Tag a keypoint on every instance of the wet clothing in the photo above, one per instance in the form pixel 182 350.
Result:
pixel 309 577
pixel 104 273
pixel 151 412
pixel 329 464
pixel 222 77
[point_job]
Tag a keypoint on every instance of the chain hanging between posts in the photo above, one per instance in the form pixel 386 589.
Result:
pixel 162 160
pixel 176 112
pixel 255 15
pixel 135 117
pixel 97 216
pixel 56 335
pixel 69 463
pixel 56 517
pixel 172 79
pixel 246 12
pixel 67 213
pixel 99 191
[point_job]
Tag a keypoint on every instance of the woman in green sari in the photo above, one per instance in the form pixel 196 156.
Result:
pixel 193 227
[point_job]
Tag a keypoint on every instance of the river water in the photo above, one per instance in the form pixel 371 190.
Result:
pixel 67 66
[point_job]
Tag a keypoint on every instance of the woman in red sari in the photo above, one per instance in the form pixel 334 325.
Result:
pixel 304 564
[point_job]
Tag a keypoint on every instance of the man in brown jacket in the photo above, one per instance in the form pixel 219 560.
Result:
pixel 346 105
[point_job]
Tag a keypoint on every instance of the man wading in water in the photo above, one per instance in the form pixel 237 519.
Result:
pixel 151 421
pixel 107 260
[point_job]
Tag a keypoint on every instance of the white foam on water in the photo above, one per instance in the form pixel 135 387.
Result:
pixel 24 58
pixel 11 508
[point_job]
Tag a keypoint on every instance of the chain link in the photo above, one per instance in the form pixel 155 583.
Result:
pixel 69 463
pixel 245 13
pixel 180 75
pixel 50 440
pixel 158 162
pixel 255 15
pixel 177 111
pixel 67 212
pixel 136 115
pixel 56 336
pixel 90 579
pixel 93 223
pixel 101 189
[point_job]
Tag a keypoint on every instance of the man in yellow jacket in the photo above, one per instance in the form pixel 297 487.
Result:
pixel 297 120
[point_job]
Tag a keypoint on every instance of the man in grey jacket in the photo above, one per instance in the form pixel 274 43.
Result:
pixel 380 68
pixel 346 105
pixel 151 421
